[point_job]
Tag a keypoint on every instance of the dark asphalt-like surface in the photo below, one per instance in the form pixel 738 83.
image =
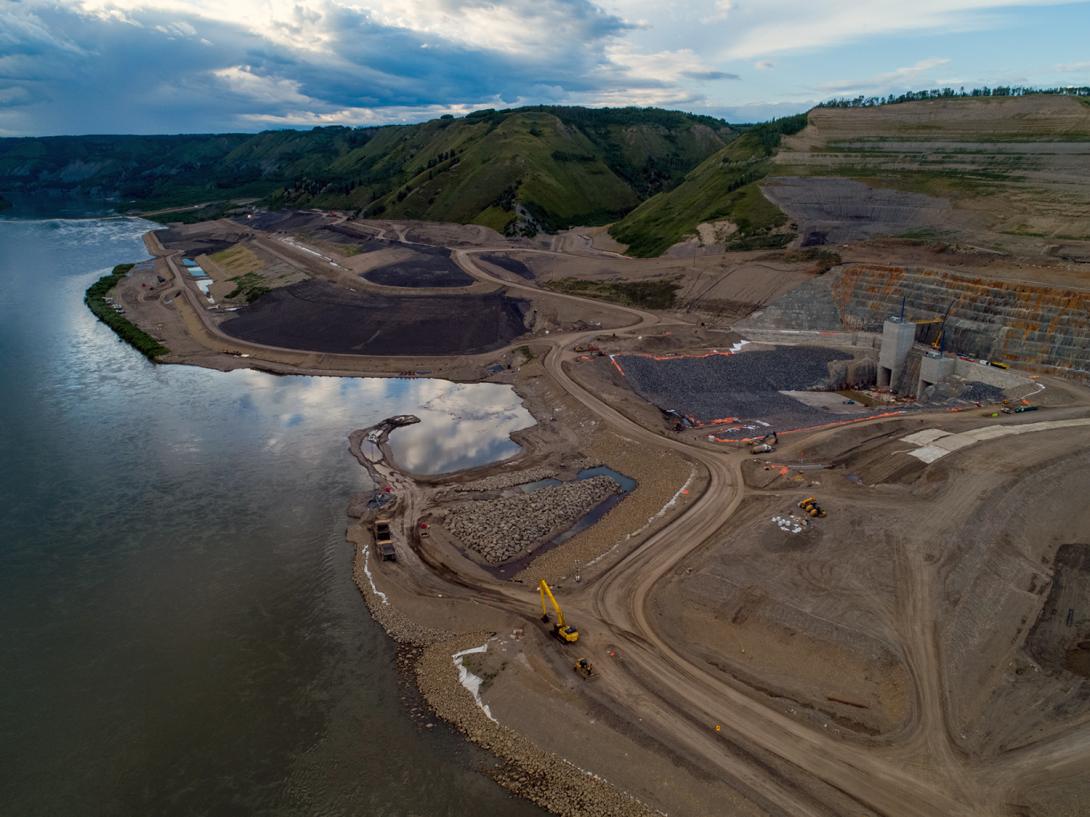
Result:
pixel 745 386
pixel 323 317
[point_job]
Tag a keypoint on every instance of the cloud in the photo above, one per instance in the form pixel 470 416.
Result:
pixel 141 68
pixel 72 66
pixel 781 26
pixel 1074 67
pixel 709 76
pixel 896 79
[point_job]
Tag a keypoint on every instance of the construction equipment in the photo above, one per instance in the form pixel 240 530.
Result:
pixel 938 342
pixel 811 507
pixel 563 632
pixel 584 668
pixel 998 364
pixel 384 538
pixel 1019 409
pixel 766 444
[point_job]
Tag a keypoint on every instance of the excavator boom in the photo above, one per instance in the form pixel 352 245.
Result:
pixel 561 630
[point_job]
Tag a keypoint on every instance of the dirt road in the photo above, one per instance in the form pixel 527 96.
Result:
pixel 920 773
pixel 917 770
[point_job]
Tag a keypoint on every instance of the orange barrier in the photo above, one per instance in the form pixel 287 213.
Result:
pixel 749 440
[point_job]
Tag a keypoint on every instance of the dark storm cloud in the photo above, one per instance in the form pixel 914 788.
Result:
pixel 65 72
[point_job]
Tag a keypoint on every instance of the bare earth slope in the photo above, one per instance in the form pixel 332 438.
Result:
pixel 1011 167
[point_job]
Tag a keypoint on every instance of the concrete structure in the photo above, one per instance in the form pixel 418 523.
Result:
pixel 934 368
pixel 897 338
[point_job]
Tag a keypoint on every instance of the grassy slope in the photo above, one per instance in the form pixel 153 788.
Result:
pixel 563 165
pixel 1018 160
pixel 722 187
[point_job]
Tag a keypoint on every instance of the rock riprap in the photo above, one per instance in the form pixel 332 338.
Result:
pixel 500 529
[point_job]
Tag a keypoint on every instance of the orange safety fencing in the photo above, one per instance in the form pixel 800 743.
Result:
pixel 838 423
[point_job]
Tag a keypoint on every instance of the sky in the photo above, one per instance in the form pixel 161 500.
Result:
pixel 198 66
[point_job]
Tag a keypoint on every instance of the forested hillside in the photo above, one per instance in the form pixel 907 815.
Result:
pixel 516 170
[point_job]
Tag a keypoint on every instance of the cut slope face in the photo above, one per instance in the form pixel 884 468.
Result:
pixel 1035 327
pixel 1014 166
pixel 836 211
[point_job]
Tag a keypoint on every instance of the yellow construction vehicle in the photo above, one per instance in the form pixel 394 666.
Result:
pixel 584 668
pixel 811 507
pixel 563 632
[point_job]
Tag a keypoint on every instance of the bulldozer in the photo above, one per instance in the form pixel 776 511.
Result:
pixel 563 632
pixel 811 507
pixel 584 668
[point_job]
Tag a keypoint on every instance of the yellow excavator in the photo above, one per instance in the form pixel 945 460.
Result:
pixel 565 633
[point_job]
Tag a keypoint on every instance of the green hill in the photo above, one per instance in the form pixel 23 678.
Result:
pixel 519 170
pixel 1012 165
pixel 724 186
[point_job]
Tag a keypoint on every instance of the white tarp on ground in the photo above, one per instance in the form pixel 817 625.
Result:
pixel 934 443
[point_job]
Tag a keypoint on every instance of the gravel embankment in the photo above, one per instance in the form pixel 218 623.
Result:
pixel 543 777
pixel 508 479
pixel 744 385
pixel 500 529
pixel 659 473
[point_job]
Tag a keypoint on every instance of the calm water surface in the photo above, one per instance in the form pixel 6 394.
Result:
pixel 180 633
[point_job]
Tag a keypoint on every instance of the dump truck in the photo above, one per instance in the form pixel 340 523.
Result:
pixel 384 538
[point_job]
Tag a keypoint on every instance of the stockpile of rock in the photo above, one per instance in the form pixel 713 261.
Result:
pixel 746 385
pixel 500 529
pixel 509 479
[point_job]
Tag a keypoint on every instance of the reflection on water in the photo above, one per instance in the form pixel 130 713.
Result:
pixel 180 633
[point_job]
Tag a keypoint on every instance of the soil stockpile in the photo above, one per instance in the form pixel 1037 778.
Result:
pixel 322 317
pixel 508 263
pixel 500 529
pixel 427 267
pixel 745 386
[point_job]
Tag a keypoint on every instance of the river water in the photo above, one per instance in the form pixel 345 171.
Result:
pixel 180 633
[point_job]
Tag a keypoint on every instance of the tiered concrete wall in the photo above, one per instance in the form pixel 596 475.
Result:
pixel 1035 328
pixel 1032 327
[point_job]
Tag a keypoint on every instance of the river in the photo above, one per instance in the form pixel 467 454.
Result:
pixel 181 635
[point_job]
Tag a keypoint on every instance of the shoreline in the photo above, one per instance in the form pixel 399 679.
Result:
pixel 528 771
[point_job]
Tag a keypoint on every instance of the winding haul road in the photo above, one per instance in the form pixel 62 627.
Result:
pixel 918 772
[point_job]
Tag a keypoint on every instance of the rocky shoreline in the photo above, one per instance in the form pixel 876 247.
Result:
pixel 528 771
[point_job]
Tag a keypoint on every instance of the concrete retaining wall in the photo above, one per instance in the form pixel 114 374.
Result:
pixel 1032 327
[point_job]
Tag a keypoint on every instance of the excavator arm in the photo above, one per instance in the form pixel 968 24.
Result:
pixel 560 629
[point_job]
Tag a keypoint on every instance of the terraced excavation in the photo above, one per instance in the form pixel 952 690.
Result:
pixel 813 511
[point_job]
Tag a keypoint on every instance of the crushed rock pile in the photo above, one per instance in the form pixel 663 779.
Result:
pixel 955 391
pixel 746 385
pixel 509 479
pixel 500 529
